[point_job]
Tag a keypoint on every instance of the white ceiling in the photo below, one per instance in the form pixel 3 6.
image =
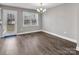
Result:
pixel 32 5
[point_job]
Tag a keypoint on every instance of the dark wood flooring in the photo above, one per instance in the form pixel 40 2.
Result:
pixel 36 44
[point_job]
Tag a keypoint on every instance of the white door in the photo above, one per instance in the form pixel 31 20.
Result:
pixel 9 18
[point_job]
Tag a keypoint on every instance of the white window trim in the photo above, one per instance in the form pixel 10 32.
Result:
pixel 24 12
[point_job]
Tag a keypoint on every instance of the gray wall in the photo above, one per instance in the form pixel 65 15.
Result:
pixel 20 27
pixel 77 24
pixel 61 20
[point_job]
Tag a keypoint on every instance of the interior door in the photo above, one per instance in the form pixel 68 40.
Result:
pixel 9 22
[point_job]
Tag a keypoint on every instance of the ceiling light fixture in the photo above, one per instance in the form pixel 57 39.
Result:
pixel 41 9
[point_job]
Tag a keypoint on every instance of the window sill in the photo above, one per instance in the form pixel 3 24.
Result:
pixel 29 25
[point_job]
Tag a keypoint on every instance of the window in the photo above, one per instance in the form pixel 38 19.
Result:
pixel 10 19
pixel 30 19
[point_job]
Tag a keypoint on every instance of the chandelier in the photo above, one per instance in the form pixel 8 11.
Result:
pixel 41 9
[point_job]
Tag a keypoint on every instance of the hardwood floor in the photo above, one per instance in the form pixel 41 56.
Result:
pixel 35 44
pixel 77 52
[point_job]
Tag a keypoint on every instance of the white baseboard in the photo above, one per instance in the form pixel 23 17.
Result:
pixel 77 48
pixel 49 33
pixel 60 36
pixel 70 39
pixel 25 32
pixel 28 32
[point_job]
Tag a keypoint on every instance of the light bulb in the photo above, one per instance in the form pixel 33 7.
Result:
pixel 38 10
pixel 41 8
pixel 44 10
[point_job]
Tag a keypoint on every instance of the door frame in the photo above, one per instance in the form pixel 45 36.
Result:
pixel 5 11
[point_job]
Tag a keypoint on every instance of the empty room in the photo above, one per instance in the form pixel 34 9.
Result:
pixel 39 28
